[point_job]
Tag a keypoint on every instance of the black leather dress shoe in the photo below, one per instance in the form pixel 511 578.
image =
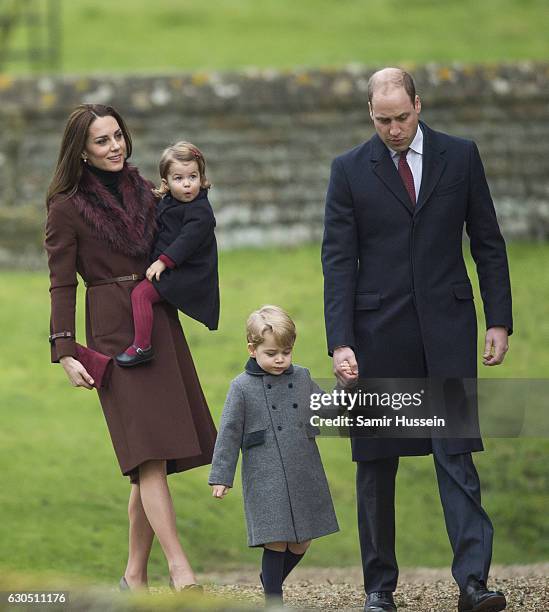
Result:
pixel 477 598
pixel 141 356
pixel 380 601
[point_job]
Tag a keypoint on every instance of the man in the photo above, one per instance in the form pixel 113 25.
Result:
pixel 399 304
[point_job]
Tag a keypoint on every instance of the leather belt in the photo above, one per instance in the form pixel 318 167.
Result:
pixel 117 279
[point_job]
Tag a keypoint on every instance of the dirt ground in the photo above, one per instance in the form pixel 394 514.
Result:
pixel 419 590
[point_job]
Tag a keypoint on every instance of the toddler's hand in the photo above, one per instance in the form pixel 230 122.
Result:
pixel 346 367
pixel 352 374
pixel 155 269
pixel 219 491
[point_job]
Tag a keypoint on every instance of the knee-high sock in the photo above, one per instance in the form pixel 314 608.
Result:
pixel 272 570
pixel 290 561
pixel 143 297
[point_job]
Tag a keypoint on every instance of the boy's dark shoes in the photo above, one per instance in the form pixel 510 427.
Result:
pixel 141 356
pixel 380 601
pixel 477 598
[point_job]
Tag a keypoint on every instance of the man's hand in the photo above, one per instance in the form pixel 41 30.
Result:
pixel 219 491
pixel 155 269
pixel 495 346
pixel 345 365
pixel 76 372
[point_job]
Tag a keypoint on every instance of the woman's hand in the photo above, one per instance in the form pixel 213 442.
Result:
pixel 155 269
pixel 219 491
pixel 76 372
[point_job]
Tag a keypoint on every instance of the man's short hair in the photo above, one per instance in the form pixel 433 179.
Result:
pixel 270 319
pixel 398 78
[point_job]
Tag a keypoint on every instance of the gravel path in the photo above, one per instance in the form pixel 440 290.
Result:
pixel 420 590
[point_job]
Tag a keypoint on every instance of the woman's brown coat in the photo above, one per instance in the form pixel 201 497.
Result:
pixel 156 410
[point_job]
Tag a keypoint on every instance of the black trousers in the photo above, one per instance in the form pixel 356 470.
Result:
pixel 469 528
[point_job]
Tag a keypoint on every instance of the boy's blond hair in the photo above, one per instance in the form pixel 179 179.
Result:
pixel 272 319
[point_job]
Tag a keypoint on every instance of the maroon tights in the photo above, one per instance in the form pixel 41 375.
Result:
pixel 143 297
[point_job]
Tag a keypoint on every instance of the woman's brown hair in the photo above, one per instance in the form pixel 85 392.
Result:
pixel 69 163
pixel 180 152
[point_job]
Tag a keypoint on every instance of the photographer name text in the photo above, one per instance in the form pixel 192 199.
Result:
pixel 362 421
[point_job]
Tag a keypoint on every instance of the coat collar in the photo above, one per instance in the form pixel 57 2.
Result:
pixel 385 169
pixel 168 200
pixel 126 224
pixel 434 163
pixel 253 368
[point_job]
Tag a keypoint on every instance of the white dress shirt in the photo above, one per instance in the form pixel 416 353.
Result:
pixel 414 158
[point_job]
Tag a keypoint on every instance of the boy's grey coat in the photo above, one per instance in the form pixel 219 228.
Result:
pixel 286 494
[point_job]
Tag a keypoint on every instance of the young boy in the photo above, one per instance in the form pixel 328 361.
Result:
pixel 287 501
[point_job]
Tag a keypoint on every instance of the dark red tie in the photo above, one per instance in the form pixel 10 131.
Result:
pixel 407 176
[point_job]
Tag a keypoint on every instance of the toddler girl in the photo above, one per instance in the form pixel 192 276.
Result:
pixel 287 501
pixel 184 255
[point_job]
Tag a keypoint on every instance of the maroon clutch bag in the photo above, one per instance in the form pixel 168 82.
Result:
pixel 96 364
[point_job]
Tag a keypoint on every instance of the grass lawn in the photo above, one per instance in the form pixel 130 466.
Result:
pixel 63 499
pixel 138 35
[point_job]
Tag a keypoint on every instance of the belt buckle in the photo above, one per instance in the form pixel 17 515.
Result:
pixel 135 277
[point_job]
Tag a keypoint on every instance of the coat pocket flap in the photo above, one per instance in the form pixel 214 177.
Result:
pixel 254 438
pixel 449 188
pixel 367 301
pixel 463 291
pixel 311 430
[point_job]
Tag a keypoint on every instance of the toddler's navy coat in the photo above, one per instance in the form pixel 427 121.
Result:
pixel 186 235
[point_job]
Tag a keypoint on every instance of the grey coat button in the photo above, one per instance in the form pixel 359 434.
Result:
pixel 273 407
pixel 269 385
pixel 279 428
pixel 295 405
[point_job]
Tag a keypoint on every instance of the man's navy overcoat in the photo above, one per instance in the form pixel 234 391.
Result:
pixel 396 287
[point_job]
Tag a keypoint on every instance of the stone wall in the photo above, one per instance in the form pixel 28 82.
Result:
pixel 269 137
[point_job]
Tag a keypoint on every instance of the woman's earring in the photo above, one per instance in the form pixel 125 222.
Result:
pixel 84 159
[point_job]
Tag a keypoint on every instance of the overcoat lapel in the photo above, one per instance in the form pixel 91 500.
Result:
pixel 384 167
pixel 434 163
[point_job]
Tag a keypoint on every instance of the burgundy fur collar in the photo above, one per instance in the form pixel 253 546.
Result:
pixel 129 229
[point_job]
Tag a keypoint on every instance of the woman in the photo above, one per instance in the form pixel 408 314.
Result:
pixel 100 223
